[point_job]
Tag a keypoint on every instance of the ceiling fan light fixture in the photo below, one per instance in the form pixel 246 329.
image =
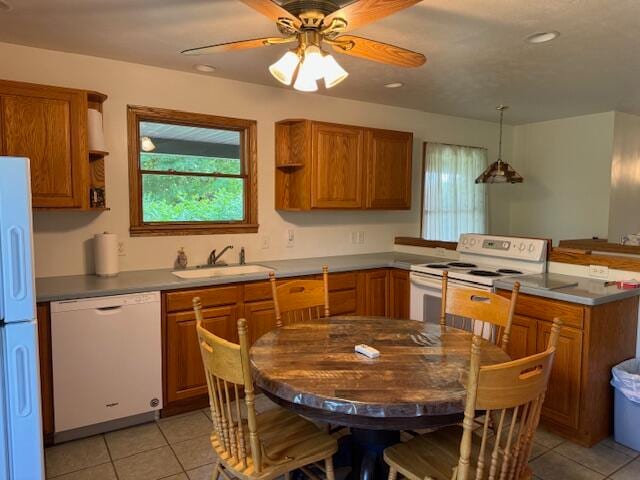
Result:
pixel 306 79
pixel 285 68
pixel 333 72
pixel 314 59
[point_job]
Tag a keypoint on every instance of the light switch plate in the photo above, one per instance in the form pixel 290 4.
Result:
pixel 291 238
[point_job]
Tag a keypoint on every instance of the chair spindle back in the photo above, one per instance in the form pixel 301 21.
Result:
pixel 300 300
pixel 483 313
pixel 227 371
pixel 512 392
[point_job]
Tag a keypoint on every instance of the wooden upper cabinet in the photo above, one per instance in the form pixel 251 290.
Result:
pixel 388 170
pixel 336 166
pixel 330 166
pixel 48 125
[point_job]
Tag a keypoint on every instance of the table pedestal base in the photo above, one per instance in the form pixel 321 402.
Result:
pixel 367 447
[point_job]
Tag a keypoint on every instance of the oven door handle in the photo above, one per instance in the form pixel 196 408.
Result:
pixel 426 283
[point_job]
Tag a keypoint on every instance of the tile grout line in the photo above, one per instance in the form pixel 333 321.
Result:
pixel 113 465
pixel 604 475
pixel 172 450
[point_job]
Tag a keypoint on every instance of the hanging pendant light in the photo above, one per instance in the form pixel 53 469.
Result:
pixel 499 171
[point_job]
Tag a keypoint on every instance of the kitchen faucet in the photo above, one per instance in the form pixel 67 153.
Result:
pixel 213 258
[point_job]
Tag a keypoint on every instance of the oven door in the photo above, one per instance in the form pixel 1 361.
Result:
pixel 426 302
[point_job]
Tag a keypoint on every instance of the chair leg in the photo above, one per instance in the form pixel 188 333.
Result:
pixel 328 465
pixel 393 473
pixel 216 469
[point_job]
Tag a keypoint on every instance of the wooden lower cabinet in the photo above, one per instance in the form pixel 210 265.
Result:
pixel 375 296
pixel 578 402
pixel 522 341
pixel 562 400
pixel 184 371
pixel 261 318
pixel 46 371
pixel 399 292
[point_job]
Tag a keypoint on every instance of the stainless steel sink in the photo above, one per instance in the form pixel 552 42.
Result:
pixel 221 271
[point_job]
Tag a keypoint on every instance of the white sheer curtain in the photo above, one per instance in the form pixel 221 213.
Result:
pixel 453 202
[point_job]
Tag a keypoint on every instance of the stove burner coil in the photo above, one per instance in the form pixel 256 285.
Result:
pixel 483 273
pixel 508 271
pixel 461 265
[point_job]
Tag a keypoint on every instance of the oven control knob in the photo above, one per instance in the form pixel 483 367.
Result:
pixel 522 247
pixel 532 247
pixel 465 240
pixel 505 245
pixel 472 242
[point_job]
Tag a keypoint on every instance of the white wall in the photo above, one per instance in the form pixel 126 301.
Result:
pixel 624 209
pixel 566 168
pixel 62 240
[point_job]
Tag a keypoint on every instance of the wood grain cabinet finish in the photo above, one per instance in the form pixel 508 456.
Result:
pixel 184 371
pixel 46 371
pixel 399 292
pixel 388 168
pixel 376 292
pixel 331 166
pixel 49 126
pixel 578 403
pixel 336 166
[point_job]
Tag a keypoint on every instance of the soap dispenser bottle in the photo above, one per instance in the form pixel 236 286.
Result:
pixel 181 260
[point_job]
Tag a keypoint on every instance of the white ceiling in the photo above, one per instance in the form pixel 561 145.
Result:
pixel 476 55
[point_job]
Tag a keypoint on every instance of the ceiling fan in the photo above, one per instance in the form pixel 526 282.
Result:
pixel 312 23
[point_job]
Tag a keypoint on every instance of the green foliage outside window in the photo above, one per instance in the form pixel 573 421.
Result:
pixel 186 198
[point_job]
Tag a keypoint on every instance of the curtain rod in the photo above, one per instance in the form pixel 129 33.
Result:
pixel 455 145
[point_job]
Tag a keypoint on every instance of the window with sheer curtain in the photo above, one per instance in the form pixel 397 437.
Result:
pixel 453 202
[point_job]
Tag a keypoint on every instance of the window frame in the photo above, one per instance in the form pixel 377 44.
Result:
pixel 248 156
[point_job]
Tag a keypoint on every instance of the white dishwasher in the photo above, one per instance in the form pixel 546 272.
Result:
pixel 107 359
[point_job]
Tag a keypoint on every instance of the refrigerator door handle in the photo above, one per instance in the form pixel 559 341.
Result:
pixel 22 381
pixel 17 268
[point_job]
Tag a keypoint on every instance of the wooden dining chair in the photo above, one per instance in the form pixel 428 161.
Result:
pixel 263 446
pixel 300 300
pixel 483 313
pixel 515 392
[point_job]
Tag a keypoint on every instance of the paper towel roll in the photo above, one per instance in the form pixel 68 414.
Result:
pixel 105 252
pixel 96 132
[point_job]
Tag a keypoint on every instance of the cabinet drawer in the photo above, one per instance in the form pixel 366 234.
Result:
pixel 572 315
pixel 343 302
pixel 210 297
pixel 342 281
pixel 259 291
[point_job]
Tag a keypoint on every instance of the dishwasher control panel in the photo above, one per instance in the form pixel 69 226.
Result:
pixel 105 302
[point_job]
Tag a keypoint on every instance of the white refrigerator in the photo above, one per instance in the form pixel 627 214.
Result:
pixel 21 452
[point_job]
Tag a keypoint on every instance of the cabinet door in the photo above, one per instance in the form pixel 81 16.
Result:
pixel 337 153
pixel 261 319
pixel 343 302
pixel 184 370
pixel 563 393
pixel 399 294
pixel 388 169
pixel 376 293
pixel 49 127
pixel 524 334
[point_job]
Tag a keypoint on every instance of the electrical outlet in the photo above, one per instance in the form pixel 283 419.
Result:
pixel 291 238
pixel 121 250
pixel 361 238
pixel 265 242
pixel 598 271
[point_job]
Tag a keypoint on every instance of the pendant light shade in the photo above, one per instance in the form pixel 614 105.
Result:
pixel 147 144
pixel 499 171
pixel 284 69
pixel 315 62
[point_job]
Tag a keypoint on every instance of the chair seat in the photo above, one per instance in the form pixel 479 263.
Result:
pixel 434 455
pixel 289 442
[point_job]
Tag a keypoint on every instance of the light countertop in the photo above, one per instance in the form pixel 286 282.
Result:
pixel 83 286
pixel 588 291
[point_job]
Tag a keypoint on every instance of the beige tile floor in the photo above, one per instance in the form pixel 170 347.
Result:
pixel 177 448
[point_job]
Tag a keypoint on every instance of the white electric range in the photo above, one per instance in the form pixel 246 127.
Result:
pixel 483 260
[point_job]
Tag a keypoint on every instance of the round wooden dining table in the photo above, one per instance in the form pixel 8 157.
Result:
pixel 418 381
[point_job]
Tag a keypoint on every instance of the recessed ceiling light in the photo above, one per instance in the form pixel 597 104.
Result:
pixel 201 67
pixel 394 85
pixel 542 37
pixel 5 6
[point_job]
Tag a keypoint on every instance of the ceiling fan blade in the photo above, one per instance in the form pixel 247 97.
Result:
pixel 228 47
pixel 377 51
pixel 271 10
pixel 362 12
